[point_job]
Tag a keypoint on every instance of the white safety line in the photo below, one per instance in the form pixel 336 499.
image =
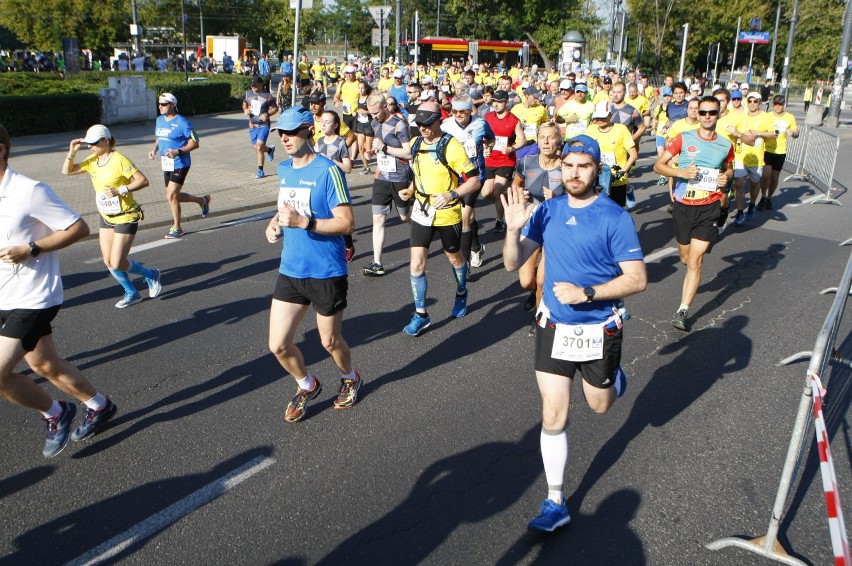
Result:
pixel 172 513
pixel 247 219
pixel 658 254
pixel 139 248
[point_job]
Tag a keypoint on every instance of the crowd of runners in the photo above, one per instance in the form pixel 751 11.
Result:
pixel 555 156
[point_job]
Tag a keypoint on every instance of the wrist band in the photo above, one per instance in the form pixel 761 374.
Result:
pixel 123 190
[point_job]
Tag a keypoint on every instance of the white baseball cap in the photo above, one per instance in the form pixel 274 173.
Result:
pixel 426 79
pixel 168 97
pixel 96 133
pixel 348 69
pixel 602 110
pixel 398 74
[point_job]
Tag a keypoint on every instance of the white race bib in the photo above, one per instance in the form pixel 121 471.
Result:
pixel 608 158
pixel 347 109
pixel 578 343
pixel 781 126
pixel 530 131
pixel 578 127
pixel 107 204
pixel 363 118
pixel 704 184
pixel 168 163
pixel 423 214
pixel 501 143
pixel 758 142
pixel 297 197
pixel 470 148
pixel 255 107
pixel 386 163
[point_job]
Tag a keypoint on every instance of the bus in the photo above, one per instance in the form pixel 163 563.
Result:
pixel 437 49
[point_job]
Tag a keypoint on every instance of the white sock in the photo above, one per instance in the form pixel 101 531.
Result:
pixel 306 383
pixel 350 376
pixel 97 402
pixel 554 454
pixel 54 410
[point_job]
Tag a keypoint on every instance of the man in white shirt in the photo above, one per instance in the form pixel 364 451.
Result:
pixel 38 224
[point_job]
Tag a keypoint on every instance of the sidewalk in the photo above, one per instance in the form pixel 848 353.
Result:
pixel 223 167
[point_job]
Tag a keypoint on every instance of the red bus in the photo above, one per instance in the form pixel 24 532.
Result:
pixel 436 49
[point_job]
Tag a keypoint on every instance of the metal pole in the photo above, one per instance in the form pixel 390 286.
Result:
pixel 789 53
pixel 621 41
pixel 709 51
pixel 842 62
pixel 438 21
pixel 683 51
pixel 296 51
pixel 396 38
pixel 770 72
pixel 750 59
pixel 416 43
pixel 136 40
pixel 381 37
pixel 201 24
pixel 736 44
pixel 183 29
pixel 716 67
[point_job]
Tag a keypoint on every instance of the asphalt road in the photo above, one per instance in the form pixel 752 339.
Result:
pixel 439 462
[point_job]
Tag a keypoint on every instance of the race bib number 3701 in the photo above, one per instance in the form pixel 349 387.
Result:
pixel 578 342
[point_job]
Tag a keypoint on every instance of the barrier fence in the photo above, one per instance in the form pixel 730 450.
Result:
pixel 812 157
pixel 824 352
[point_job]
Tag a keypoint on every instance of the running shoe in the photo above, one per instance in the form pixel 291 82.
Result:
pixel 670 209
pixel 260 174
pixel 417 325
pixel 174 233
pixel 551 516
pixel 154 284
pixel 460 305
pixel 739 218
pixel 348 393
pixel 768 203
pixel 367 171
pixel 662 180
pixel 128 300
pixel 679 320
pixel 350 253
pixel 205 208
pixel 476 257
pixel 749 215
pixel 499 226
pixel 761 204
pixel 620 382
pixel 270 155
pixel 58 428
pixel 94 421
pixel 631 198
pixel 297 408
pixel 529 302
pixel 533 328
pixel 374 270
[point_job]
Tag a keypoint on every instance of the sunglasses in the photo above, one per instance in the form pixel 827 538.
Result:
pixel 291 133
pixel 708 112
pixel 163 103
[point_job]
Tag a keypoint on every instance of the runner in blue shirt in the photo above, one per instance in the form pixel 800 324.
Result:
pixel 175 139
pixel 314 213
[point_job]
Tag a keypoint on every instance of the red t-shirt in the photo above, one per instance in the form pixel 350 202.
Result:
pixel 502 128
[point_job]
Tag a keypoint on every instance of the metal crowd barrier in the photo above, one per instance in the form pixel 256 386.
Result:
pixel 812 157
pixel 823 353
pixel 796 154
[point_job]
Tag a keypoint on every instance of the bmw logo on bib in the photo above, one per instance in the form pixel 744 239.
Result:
pixel 292 193
pixel 578 330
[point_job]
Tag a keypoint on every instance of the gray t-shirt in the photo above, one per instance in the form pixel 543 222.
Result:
pixel 394 132
pixel 335 150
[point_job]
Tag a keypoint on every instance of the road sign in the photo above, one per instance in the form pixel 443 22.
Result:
pixel 306 4
pixel 380 14
pixel 753 37
pixel 385 37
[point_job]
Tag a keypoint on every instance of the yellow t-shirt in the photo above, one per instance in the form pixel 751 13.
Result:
pixel 531 118
pixel 432 178
pixel 752 155
pixel 662 120
pixel 553 77
pixel 116 173
pixel 317 71
pixel 601 96
pixel 649 92
pixel 303 70
pixel 344 130
pixel 679 127
pixel 454 77
pixel 784 123
pixel 722 124
pixel 614 145
pixel 349 96
pixel 640 103
pixel 385 84
pixel 583 112
pixel 514 72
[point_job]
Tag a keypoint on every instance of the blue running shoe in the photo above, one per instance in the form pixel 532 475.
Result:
pixel 739 218
pixel 749 215
pixel 58 428
pixel 260 174
pixel 270 155
pixel 460 305
pixel 417 325
pixel 174 233
pixel 94 421
pixel 631 198
pixel 552 516
pixel 620 379
pixel 205 208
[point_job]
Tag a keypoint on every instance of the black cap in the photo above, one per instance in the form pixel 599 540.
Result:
pixel 501 96
pixel 607 80
pixel 778 99
pixel 317 97
pixel 532 91
pixel 427 113
pixel 256 81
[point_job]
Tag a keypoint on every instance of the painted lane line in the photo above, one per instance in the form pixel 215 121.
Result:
pixel 172 513
pixel 139 248
pixel 659 254
pixel 237 222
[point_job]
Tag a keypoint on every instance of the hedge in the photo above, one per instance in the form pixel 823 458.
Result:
pixel 29 115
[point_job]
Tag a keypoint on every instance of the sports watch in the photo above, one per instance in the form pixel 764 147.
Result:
pixel 590 294
pixel 34 249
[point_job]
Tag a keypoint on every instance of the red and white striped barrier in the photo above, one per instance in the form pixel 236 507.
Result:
pixel 836 526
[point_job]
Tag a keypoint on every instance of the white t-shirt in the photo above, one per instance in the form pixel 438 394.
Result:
pixel 30 211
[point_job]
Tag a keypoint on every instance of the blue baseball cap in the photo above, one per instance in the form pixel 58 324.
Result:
pixel 294 118
pixel 666 91
pixel 583 144
pixel 580 87
pixel 736 94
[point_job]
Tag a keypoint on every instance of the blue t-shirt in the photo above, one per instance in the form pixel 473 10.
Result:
pixel 287 68
pixel 399 94
pixel 263 67
pixel 173 134
pixel 472 137
pixel 692 149
pixel 583 246
pixel 314 190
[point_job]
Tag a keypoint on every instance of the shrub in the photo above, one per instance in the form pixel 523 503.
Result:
pixel 28 115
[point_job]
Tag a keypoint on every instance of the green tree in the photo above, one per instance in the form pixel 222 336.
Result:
pixel 95 25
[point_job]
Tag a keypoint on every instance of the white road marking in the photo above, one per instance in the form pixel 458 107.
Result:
pixel 658 254
pixel 253 218
pixel 172 513
pixel 139 248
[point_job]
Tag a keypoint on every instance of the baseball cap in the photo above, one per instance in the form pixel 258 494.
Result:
pixel 565 84
pixel 96 133
pixel 607 80
pixel 426 79
pixel 753 96
pixel 348 69
pixel 294 118
pixel 462 105
pixel 778 99
pixel 398 74
pixel 168 97
pixel 736 94
pixel 602 110
pixel 581 87
pixel 501 96
pixel 317 97
pixel 696 87
pixel 744 86
pixel 532 91
pixel 583 144
pixel 257 81
pixel 427 113
pixel 666 91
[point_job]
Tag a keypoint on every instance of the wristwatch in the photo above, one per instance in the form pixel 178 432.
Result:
pixel 454 195
pixel 384 148
pixel 34 249
pixel 312 223
pixel 590 294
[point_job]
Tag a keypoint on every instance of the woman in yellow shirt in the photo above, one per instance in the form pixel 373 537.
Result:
pixel 115 179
